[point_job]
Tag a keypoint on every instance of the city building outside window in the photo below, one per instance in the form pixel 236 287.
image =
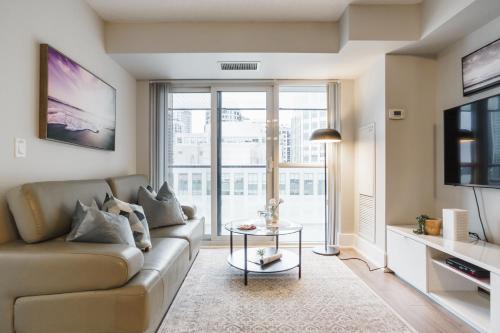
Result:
pixel 308 184
pixel 295 184
pixel 209 183
pixel 183 183
pixel 226 184
pixel 282 183
pixel 196 183
pixel 239 184
pixel 253 183
pixel 321 184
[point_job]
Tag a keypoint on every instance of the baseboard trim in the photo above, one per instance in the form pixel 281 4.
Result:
pixel 367 249
pixel 346 240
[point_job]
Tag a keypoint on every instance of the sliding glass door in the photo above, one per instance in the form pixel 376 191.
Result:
pixel 231 149
pixel 242 154
pixel 189 150
pixel 302 110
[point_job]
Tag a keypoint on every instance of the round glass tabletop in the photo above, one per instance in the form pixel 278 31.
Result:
pixel 283 227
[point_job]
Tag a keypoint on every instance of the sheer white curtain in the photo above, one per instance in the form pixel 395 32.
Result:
pixel 159 125
pixel 333 163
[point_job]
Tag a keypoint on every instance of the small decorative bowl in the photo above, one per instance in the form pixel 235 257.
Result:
pixel 247 227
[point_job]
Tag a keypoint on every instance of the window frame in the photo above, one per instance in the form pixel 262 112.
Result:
pixel 273 164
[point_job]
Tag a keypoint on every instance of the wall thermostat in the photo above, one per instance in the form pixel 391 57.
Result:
pixel 396 114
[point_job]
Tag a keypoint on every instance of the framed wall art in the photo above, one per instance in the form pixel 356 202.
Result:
pixel 76 106
pixel 481 69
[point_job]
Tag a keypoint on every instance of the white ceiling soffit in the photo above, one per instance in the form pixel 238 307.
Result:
pixel 227 10
pixel 472 16
pixel 354 59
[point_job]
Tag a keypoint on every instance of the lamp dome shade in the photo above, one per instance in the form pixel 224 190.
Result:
pixel 326 135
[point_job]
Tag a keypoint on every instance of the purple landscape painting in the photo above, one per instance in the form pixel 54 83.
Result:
pixel 75 105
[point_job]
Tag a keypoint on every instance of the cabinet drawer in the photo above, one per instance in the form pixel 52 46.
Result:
pixel 407 258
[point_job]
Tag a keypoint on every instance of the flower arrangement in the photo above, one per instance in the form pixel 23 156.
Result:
pixel 270 212
pixel 273 205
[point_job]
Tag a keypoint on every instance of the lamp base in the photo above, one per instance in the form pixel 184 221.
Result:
pixel 330 250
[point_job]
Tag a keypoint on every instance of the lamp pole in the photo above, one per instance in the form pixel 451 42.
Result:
pixel 326 135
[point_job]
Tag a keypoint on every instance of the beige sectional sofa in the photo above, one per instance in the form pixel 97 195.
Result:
pixel 50 285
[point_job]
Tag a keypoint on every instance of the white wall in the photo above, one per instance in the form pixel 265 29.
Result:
pixel 449 94
pixel 74 29
pixel 437 12
pixel 221 37
pixel 347 171
pixel 370 108
pixel 410 84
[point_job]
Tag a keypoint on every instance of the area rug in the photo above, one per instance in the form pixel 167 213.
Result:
pixel 328 298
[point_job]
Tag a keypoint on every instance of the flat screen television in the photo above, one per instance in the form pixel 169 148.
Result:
pixel 472 143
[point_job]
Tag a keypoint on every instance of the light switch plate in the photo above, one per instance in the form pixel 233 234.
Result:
pixel 20 147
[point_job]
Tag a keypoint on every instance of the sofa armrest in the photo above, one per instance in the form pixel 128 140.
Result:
pixel 61 267
pixel 189 211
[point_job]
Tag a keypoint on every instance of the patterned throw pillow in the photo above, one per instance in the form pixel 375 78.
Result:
pixel 136 218
pixel 159 213
pixel 92 225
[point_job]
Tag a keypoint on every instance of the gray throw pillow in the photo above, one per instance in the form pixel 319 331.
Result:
pixel 160 213
pixel 92 225
pixel 136 218
pixel 165 193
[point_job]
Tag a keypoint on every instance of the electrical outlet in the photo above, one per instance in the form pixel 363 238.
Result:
pixel 20 148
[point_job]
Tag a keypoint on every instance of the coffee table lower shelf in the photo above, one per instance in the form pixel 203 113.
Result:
pixel 288 261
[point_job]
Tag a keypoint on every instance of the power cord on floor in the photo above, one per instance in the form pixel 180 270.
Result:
pixel 366 263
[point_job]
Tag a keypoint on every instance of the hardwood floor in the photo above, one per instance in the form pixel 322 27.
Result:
pixel 417 309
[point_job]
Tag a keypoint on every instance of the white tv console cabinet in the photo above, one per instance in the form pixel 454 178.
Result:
pixel 420 261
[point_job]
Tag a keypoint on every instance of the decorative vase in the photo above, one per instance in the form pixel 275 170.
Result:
pixel 433 227
pixel 269 220
pixel 275 218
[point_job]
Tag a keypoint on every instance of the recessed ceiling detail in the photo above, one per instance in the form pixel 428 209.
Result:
pixel 228 10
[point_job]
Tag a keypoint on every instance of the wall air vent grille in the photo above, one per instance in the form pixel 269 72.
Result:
pixel 239 65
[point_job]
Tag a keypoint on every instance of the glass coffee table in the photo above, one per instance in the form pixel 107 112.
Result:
pixel 240 258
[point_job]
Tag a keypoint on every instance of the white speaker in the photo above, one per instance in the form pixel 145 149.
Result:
pixel 456 224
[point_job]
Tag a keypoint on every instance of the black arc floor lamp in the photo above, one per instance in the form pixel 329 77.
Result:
pixel 326 135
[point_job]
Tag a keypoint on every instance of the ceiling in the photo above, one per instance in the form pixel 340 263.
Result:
pixel 354 59
pixel 227 10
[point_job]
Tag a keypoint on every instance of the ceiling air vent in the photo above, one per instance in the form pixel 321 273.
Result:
pixel 239 65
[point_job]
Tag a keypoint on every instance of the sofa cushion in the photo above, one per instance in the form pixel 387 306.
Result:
pixel 136 307
pixel 43 210
pixel 125 187
pixel 59 267
pixel 164 253
pixel 170 258
pixel 192 231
